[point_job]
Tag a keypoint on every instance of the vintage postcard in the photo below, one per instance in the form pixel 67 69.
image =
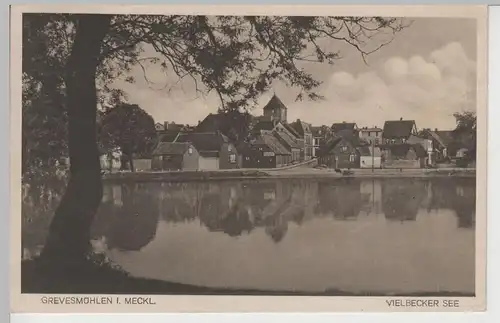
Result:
pixel 248 158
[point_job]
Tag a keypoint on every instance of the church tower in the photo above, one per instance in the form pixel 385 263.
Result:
pixel 275 110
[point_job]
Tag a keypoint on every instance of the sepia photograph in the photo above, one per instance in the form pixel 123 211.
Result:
pixel 288 155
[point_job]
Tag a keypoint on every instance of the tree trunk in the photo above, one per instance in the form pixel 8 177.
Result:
pixel 68 241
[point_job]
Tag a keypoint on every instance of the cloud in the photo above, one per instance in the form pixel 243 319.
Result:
pixel 427 89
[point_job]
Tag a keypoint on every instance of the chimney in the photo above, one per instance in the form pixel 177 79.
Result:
pixel 401 119
pixel 436 129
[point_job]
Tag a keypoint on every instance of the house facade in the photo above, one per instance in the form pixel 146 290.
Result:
pixel 340 153
pixel 442 143
pixel 320 135
pixel 304 130
pixel 175 156
pixel 371 135
pixel 404 156
pixel 215 150
pixel 398 131
pixel 265 151
pixel 289 142
pixel 371 157
pixel 345 150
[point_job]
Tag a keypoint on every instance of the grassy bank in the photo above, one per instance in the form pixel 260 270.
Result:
pixel 103 279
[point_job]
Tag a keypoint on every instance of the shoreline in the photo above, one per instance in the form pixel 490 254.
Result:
pixel 99 280
pixel 294 173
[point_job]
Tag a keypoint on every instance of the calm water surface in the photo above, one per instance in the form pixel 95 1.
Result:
pixel 391 235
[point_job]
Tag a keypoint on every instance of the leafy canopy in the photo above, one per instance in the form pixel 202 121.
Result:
pixel 238 57
pixel 129 128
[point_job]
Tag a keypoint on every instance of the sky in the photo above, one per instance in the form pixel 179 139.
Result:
pixel 427 73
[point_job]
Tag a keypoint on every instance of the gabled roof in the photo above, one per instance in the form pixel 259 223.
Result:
pixel 350 136
pixel 222 121
pixel 291 129
pixel 401 150
pixel 204 141
pixel 343 126
pixel 168 136
pixel 446 136
pixel 272 142
pixel 301 127
pixel 274 103
pixel 264 125
pixel 286 139
pixel 398 129
pixel 171 148
pixel 329 146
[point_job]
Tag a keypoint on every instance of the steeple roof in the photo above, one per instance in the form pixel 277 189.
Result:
pixel 275 103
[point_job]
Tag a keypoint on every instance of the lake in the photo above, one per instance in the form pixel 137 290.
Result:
pixel 357 235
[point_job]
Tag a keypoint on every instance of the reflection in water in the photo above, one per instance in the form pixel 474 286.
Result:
pixel 402 198
pixel 128 223
pixel 282 211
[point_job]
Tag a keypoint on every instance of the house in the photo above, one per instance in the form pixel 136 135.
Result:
pixel 303 129
pixel 215 149
pixel 232 124
pixel 265 151
pixel 275 110
pixel 398 131
pixel 264 125
pixel 344 151
pixel 289 142
pixel 442 143
pixel 321 135
pixel 338 127
pixel 427 146
pixel 370 157
pixel 159 127
pixel 404 155
pixel 168 135
pixel 142 162
pixel 110 161
pixel 175 156
pixel 371 135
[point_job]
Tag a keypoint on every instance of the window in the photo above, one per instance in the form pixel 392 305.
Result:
pixel 343 149
pixel 228 148
pixel 247 158
pixel 393 141
pixel 190 150
pixel 352 158
pixel 376 141
pixel 232 158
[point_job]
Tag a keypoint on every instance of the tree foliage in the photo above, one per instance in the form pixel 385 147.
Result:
pixel 71 60
pixel 129 128
pixel 465 132
pixel 238 57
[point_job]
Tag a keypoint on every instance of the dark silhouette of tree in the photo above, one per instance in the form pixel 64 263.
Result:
pixel 465 132
pixel 133 225
pixel 238 57
pixel 129 128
